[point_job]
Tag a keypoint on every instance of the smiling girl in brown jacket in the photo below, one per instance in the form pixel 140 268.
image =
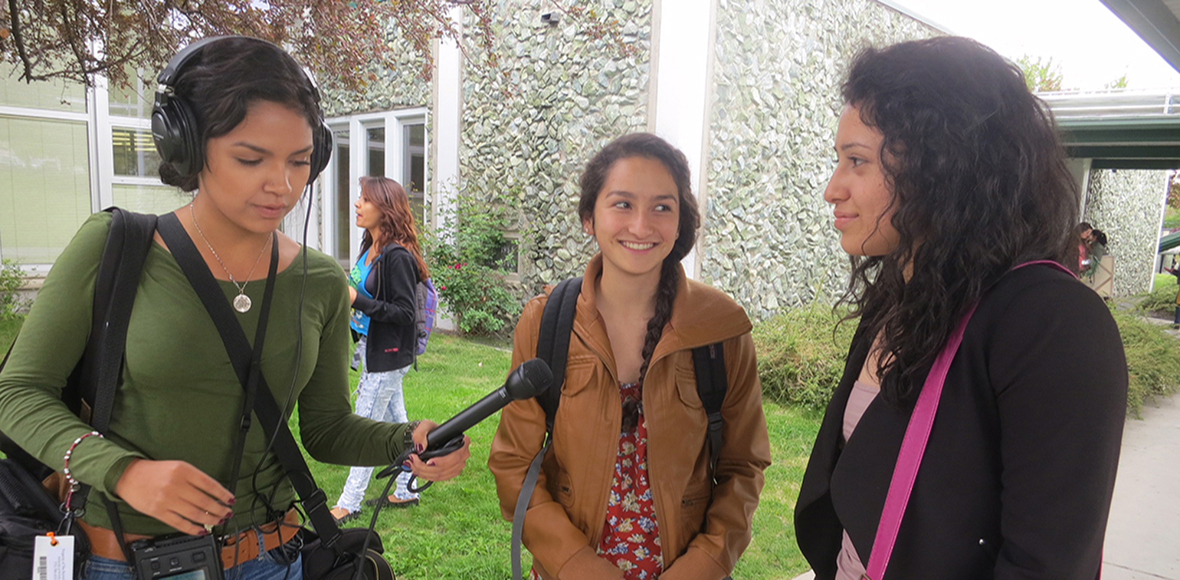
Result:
pixel 626 491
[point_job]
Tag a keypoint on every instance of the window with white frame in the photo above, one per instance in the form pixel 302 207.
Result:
pixel 66 152
pixel 129 167
pixel 45 158
pixel 389 143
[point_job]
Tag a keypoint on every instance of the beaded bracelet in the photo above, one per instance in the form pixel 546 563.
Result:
pixel 74 484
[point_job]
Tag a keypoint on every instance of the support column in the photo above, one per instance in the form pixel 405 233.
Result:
pixel 448 121
pixel 447 127
pixel 1081 175
pixel 682 51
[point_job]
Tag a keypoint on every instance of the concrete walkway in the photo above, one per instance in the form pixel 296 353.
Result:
pixel 1143 536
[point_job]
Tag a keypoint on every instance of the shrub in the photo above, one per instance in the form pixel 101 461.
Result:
pixel 1162 300
pixel 1153 359
pixel 801 354
pixel 11 279
pixel 469 261
pixel 801 360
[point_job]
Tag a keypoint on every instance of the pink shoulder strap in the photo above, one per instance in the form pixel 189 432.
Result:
pixel 913 445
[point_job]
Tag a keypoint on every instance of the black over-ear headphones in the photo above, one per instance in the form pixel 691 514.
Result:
pixel 174 126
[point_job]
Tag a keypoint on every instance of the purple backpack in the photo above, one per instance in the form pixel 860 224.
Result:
pixel 427 298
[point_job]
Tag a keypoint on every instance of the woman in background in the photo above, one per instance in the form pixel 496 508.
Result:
pixel 382 289
pixel 949 177
pixel 1095 252
pixel 1084 231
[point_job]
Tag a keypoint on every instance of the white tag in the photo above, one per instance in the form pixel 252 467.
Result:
pixel 52 562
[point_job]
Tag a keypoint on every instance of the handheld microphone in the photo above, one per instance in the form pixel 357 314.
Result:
pixel 528 380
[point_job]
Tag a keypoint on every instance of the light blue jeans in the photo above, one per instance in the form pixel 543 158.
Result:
pixel 379 397
pixel 267 566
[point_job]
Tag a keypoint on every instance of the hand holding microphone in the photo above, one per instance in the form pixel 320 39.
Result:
pixel 528 380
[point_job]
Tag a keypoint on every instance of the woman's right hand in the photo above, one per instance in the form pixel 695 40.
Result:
pixel 175 493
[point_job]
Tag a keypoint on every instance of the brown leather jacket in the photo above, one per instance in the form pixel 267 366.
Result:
pixel 703 528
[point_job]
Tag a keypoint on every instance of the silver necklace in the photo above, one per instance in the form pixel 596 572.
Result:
pixel 241 302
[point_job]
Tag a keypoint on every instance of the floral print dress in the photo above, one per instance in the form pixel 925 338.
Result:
pixel 631 538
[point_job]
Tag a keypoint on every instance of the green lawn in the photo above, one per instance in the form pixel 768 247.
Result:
pixel 8 328
pixel 457 531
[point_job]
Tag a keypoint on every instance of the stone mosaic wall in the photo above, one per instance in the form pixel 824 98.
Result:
pixel 530 127
pixel 386 87
pixel 778 65
pixel 1128 206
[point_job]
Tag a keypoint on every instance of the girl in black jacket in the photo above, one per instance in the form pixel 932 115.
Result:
pixel 949 175
pixel 384 316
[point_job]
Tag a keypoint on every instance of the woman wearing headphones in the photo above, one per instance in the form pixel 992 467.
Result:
pixel 385 307
pixel 239 124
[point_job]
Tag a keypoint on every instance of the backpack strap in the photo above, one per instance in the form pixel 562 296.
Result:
pixel 119 272
pixel 712 385
pixel 95 379
pixel 419 311
pixel 553 347
pixel 96 376
pixel 553 342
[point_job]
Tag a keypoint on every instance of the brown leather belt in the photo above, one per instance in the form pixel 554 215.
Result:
pixel 235 550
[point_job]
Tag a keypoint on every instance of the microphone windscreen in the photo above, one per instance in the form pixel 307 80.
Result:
pixel 538 375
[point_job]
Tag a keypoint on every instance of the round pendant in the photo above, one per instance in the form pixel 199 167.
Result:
pixel 242 303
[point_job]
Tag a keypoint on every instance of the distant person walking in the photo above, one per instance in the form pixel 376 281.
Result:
pixel 381 285
pixel 1083 231
pixel 1096 251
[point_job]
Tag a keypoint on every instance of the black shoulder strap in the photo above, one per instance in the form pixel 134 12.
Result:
pixel 115 287
pixel 119 272
pixel 95 380
pixel 553 347
pixel 712 384
pixel 238 348
pixel 553 341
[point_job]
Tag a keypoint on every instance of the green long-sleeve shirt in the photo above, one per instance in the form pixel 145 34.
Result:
pixel 180 398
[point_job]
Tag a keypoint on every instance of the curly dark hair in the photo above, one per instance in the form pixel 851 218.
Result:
pixel 224 78
pixel 979 184
pixel 649 146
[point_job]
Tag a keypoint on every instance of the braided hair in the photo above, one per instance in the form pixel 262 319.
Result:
pixel 649 146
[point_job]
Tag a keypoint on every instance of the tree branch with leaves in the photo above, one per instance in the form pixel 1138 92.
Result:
pixel 1041 75
pixel 78 39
